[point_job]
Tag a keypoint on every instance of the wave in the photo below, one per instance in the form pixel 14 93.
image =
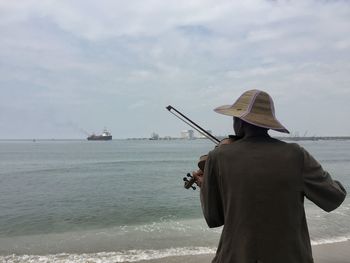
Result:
pixel 109 257
pixel 330 240
pixel 93 166
pixel 134 255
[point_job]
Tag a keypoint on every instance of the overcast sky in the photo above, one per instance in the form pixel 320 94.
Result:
pixel 73 66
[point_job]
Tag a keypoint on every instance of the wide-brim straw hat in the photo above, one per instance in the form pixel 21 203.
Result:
pixel 255 107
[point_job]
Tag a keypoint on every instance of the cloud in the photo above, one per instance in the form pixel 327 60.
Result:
pixel 85 61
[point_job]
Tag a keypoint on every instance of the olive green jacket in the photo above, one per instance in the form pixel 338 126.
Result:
pixel 255 187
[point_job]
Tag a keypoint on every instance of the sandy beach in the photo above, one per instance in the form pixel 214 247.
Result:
pixel 327 253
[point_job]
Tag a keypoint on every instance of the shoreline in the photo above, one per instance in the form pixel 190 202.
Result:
pixel 338 252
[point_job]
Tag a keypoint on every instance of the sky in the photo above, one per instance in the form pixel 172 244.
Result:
pixel 69 68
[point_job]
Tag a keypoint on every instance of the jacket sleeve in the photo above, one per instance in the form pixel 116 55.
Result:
pixel 319 187
pixel 210 195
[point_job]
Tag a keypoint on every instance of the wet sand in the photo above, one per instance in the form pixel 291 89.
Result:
pixel 332 253
pixel 328 253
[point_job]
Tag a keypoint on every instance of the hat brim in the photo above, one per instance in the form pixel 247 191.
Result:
pixel 230 111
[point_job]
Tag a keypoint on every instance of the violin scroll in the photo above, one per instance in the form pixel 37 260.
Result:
pixel 189 183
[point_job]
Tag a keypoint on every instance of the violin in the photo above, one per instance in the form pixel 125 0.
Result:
pixel 189 180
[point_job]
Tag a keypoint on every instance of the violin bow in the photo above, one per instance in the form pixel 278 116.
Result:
pixel 191 123
pixel 189 180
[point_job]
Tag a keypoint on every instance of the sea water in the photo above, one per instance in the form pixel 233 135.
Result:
pixel 123 200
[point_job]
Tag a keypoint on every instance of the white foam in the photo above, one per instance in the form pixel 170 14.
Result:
pixel 330 240
pixel 109 257
pixel 134 255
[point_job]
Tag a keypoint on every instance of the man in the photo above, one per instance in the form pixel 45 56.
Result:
pixel 256 186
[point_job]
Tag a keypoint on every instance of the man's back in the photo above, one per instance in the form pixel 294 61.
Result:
pixel 256 187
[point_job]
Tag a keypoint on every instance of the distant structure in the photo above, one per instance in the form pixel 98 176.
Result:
pixel 201 136
pixel 154 136
pixel 187 134
pixel 105 136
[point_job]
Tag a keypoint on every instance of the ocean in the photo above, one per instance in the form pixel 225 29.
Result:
pixel 123 200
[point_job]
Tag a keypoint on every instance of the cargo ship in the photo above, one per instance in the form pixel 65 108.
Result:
pixel 105 136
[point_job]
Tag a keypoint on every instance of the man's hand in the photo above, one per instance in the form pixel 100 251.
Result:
pixel 198 177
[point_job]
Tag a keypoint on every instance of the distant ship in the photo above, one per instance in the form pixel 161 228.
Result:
pixel 105 136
